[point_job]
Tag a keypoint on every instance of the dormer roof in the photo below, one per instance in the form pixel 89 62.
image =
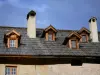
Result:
pixel 74 33
pixel 50 27
pixel 13 31
pixel 83 29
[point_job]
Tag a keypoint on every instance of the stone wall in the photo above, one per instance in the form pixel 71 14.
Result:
pixel 58 69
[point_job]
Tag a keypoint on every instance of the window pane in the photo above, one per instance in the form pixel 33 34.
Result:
pixel 10 71
pixel 83 38
pixel 50 37
pixel 12 43
pixel 7 71
pixel 73 43
pixel 13 71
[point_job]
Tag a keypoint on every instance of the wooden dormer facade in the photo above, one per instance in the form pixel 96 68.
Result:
pixel 12 39
pixel 50 33
pixel 73 40
pixel 84 34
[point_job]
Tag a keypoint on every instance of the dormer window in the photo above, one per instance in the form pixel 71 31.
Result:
pixel 50 37
pixel 84 34
pixel 12 43
pixel 73 44
pixel 84 38
pixel 72 40
pixel 12 39
pixel 50 33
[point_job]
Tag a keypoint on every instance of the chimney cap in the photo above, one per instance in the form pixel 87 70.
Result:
pixel 31 13
pixel 92 18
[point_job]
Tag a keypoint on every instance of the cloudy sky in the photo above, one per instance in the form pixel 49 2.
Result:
pixel 62 14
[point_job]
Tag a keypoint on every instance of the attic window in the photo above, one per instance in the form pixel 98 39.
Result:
pixel 84 38
pixel 50 33
pixel 73 44
pixel 12 39
pixel 84 34
pixel 72 40
pixel 50 37
pixel 12 43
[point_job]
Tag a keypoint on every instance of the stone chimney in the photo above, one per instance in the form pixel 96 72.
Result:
pixel 93 29
pixel 31 24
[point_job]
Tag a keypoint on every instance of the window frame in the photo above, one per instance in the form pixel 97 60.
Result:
pixel 52 33
pixel 15 38
pixel 51 37
pixel 85 38
pixel 84 33
pixel 11 70
pixel 12 43
pixel 75 44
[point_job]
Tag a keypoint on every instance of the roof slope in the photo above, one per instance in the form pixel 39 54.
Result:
pixel 38 46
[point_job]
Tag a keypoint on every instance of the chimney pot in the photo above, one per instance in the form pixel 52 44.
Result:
pixel 93 29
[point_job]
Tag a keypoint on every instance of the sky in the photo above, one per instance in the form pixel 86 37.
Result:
pixel 62 14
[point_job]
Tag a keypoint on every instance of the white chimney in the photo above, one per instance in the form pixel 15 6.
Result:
pixel 31 24
pixel 93 29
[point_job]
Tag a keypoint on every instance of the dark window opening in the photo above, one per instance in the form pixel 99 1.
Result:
pixel 76 62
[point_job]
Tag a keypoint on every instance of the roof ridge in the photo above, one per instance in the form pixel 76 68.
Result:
pixel 12 27
pixel 36 28
pixel 17 27
pixel 40 28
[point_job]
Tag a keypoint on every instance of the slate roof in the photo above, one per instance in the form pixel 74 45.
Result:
pixel 40 47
